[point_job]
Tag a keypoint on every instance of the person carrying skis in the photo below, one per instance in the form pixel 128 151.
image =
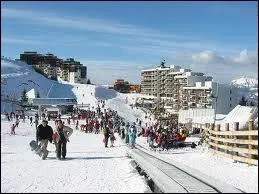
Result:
pixel 43 135
pixel 61 137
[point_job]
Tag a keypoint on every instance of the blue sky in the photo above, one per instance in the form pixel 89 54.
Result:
pixel 119 39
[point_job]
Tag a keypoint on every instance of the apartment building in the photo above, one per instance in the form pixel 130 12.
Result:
pixel 66 70
pixel 125 87
pixel 74 71
pixel 121 86
pixel 135 88
pixel 176 88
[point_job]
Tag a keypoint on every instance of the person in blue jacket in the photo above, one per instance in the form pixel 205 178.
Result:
pixel 132 136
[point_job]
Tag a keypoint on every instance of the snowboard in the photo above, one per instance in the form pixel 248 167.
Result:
pixel 35 147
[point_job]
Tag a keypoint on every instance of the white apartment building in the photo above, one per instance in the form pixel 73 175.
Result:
pixel 75 75
pixel 177 89
pixel 72 75
pixel 63 73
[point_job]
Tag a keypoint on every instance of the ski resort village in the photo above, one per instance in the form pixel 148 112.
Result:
pixel 74 123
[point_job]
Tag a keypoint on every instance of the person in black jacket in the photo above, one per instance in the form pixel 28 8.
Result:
pixel 106 133
pixel 43 135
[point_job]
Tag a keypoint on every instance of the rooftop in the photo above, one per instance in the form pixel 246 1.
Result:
pixel 54 101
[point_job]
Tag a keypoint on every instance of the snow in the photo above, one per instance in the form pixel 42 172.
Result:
pixel 245 81
pixel 241 114
pixel 246 86
pixel 31 93
pixel 89 166
pixel 239 175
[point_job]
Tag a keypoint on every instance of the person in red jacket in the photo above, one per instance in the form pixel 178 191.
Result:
pixel 97 126
pixel 158 140
pixel 178 136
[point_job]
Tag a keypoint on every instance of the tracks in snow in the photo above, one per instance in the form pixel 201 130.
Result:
pixel 188 182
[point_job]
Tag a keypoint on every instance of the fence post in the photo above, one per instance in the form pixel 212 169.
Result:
pixel 250 147
pixel 227 137
pixel 217 136
pixel 236 128
pixel 212 127
pixel 206 131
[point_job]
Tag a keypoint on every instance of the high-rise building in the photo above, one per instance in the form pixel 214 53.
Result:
pixel 177 88
pixel 66 70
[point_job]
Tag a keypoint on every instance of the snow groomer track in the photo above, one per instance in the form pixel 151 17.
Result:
pixel 169 178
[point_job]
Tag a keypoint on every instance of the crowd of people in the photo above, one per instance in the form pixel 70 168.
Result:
pixel 101 120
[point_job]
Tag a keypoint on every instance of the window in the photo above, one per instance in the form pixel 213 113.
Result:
pixel 230 105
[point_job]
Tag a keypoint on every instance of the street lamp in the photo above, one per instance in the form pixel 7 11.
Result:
pixel 216 98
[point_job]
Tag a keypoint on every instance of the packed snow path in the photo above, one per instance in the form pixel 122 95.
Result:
pixel 89 167
pixel 170 177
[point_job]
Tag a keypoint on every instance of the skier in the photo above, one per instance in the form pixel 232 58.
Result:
pixel 77 123
pixel 62 134
pixel 13 129
pixel 127 132
pixel 122 129
pixel 112 138
pixel 164 142
pixel 31 121
pixel 97 126
pixel 17 122
pixel 36 121
pixel 43 135
pixel 132 137
pixel 106 133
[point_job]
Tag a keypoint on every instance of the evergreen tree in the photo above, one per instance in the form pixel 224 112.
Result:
pixel 88 81
pixel 24 97
pixel 243 101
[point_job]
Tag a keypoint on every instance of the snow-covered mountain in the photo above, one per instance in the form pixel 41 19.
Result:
pixel 247 87
pixel 245 81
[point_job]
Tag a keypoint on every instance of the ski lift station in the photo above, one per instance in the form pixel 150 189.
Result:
pixel 50 102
